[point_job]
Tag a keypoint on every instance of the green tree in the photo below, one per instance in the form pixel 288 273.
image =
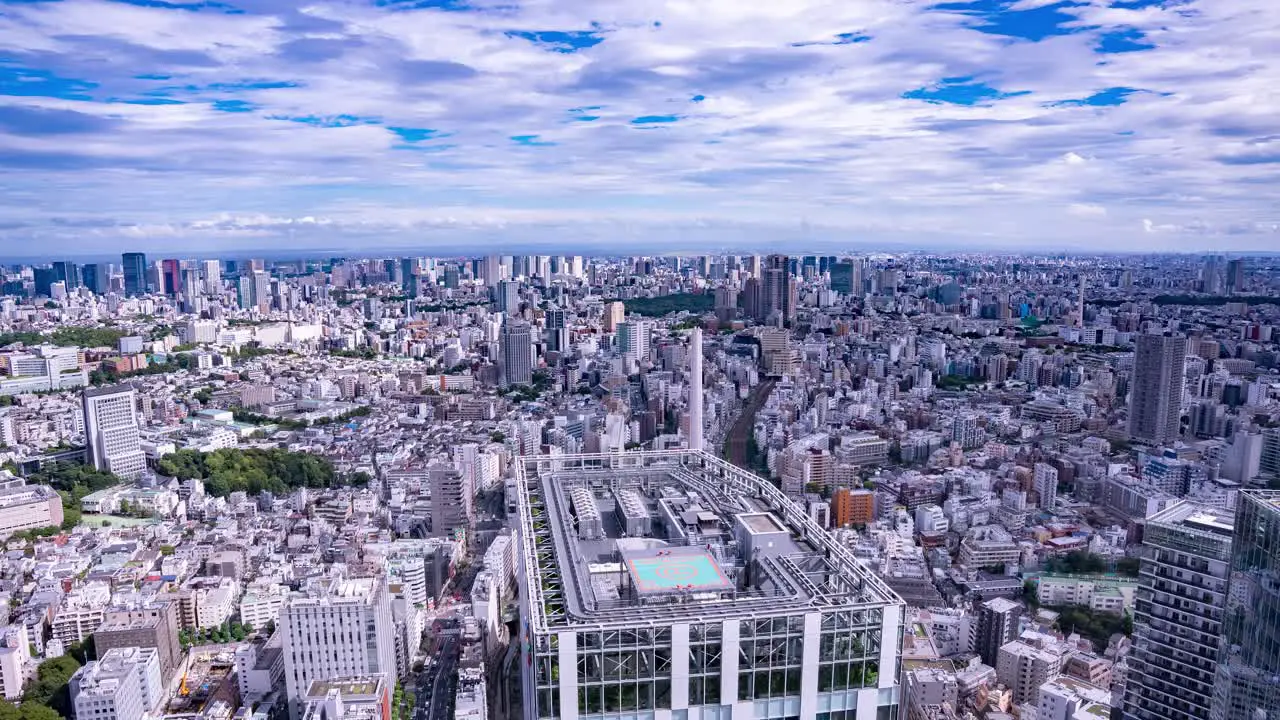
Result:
pixel 50 686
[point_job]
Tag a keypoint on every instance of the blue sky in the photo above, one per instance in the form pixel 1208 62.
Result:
pixel 1030 124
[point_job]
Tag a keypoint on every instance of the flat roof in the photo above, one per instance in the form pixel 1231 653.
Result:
pixel 661 571
pixel 761 523
pixel 686 562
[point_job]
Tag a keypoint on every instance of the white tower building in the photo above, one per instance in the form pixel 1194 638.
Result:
pixel 111 431
pixel 695 389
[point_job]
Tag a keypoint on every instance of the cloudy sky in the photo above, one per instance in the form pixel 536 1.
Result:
pixel 688 124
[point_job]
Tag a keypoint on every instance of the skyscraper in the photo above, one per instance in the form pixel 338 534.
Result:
pixel 777 290
pixel 409 276
pixel 557 334
pixel 1235 275
pixel 1155 395
pixel 506 296
pixel 842 276
pixel 68 273
pixel 1178 615
pixel 111 431
pixel 1246 686
pixel 212 272
pixel 695 389
pixel 614 313
pixel 339 628
pixel 171 276
pixel 633 339
pixel 515 346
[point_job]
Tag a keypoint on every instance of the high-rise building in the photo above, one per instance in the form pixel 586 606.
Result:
pixel 260 290
pixel 135 273
pixel 452 500
pixel 771 617
pixel 557 332
pixel 506 296
pixel 1178 615
pixel 1155 394
pixel 777 290
pixel 1246 685
pixel 842 277
pixel 341 627
pixel 211 270
pixel 515 348
pixel 67 272
pixel 93 276
pixel 409 276
pixel 634 338
pixel 111 431
pixel 614 313
pixel 695 389
pixel 1235 275
pixel 999 620
pixel 171 276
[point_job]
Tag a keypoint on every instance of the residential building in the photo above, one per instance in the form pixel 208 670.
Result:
pixel 1155 394
pixel 1178 617
pixel 515 348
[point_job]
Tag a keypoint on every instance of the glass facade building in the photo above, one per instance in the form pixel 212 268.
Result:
pixel 789 625
pixel 1247 686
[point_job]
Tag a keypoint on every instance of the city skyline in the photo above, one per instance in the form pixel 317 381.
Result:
pixel 1001 125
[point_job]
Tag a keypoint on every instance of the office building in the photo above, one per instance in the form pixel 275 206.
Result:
pixel 737 603
pixel 515 348
pixel 1235 276
pixel 409 276
pixel 124 682
pixel 1178 616
pixel 1247 683
pixel 999 621
pixel 506 297
pixel 135 273
pixel 557 330
pixel 338 628
pixel 1155 395
pixel 68 273
pixel 634 338
pixel 842 277
pixel 171 276
pixel 358 698
pixel 614 313
pixel 25 507
pixel 111 431
pixel 151 625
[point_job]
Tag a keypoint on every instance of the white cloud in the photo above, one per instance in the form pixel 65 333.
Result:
pixel 1086 210
pixel 787 128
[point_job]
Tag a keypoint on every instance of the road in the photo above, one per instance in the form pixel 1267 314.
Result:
pixel 436 685
pixel 737 444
